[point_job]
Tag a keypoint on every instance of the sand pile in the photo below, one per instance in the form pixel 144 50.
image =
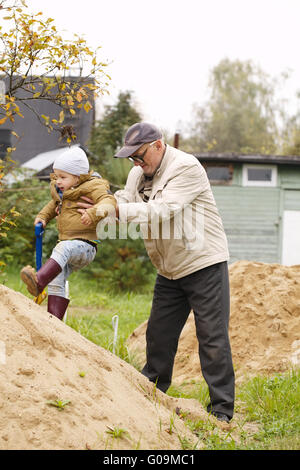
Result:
pixel 43 360
pixel 264 324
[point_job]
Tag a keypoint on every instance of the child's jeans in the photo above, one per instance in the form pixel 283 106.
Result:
pixel 71 255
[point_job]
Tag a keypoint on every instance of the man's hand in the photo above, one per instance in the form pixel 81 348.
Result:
pixel 89 203
pixel 86 205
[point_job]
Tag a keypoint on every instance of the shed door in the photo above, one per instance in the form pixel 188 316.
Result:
pixel 291 238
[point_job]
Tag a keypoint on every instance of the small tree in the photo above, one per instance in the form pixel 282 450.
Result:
pixel 108 135
pixel 36 64
pixel 36 59
pixel 292 144
pixel 291 132
pixel 7 215
pixel 240 115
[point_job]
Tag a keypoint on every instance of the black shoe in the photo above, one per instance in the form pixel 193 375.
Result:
pixel 221 416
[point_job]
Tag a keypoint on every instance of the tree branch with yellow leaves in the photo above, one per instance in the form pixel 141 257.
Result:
pixel 36 63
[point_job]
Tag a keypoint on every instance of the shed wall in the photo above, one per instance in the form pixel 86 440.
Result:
pixel 251 221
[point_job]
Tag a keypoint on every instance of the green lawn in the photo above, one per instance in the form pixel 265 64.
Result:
pixel 267 407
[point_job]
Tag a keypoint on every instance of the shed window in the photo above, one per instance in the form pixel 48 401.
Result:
pixel 219 174
pixel 259 175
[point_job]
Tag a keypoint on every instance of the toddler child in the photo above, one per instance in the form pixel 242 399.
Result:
pixel 76 247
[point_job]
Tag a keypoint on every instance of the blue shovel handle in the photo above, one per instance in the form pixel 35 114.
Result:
pixel 39 230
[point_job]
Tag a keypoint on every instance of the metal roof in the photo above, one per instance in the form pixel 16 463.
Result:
pixel 250 158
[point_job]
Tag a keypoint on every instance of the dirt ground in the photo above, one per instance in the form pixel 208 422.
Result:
pixel 264 324
pixel 43 361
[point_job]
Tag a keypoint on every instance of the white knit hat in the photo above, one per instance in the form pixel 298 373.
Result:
pixel 73 160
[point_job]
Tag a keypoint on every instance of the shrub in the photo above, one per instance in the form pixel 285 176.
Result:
pixel 122 264
pixel 28 197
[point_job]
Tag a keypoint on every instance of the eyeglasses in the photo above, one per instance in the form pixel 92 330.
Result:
pixel 140 158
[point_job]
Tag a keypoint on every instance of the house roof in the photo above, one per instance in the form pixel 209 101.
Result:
pixel 249 158
pixel 43 160
pixel 35 137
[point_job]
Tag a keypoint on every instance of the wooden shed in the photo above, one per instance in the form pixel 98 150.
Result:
pixel 258 197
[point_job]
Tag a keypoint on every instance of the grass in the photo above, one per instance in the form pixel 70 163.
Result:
pixel 116 432
pixel 94 320
pixel 267 407
pixel 192 389
pixel 275 403
pixel 60 404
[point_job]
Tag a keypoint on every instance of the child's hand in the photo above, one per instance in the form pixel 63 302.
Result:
pixel 85 218
pixel 37 220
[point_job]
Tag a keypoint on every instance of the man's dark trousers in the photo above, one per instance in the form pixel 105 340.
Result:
pixel 206 292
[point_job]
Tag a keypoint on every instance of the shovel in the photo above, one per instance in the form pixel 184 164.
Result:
pixel 39 230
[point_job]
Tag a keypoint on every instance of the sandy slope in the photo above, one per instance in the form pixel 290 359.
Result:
pixel 40 361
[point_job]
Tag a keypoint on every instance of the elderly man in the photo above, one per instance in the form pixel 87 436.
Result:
pixel 169 195
pixel 192 269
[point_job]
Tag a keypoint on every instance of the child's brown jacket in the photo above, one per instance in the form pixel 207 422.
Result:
pixel 69 223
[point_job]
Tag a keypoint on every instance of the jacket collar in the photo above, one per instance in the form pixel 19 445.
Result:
pixel 69 193
pixel 165 162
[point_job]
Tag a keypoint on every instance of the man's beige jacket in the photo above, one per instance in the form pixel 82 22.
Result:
pixel 181 225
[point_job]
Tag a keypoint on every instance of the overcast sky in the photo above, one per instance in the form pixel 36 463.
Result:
pixel 164 50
